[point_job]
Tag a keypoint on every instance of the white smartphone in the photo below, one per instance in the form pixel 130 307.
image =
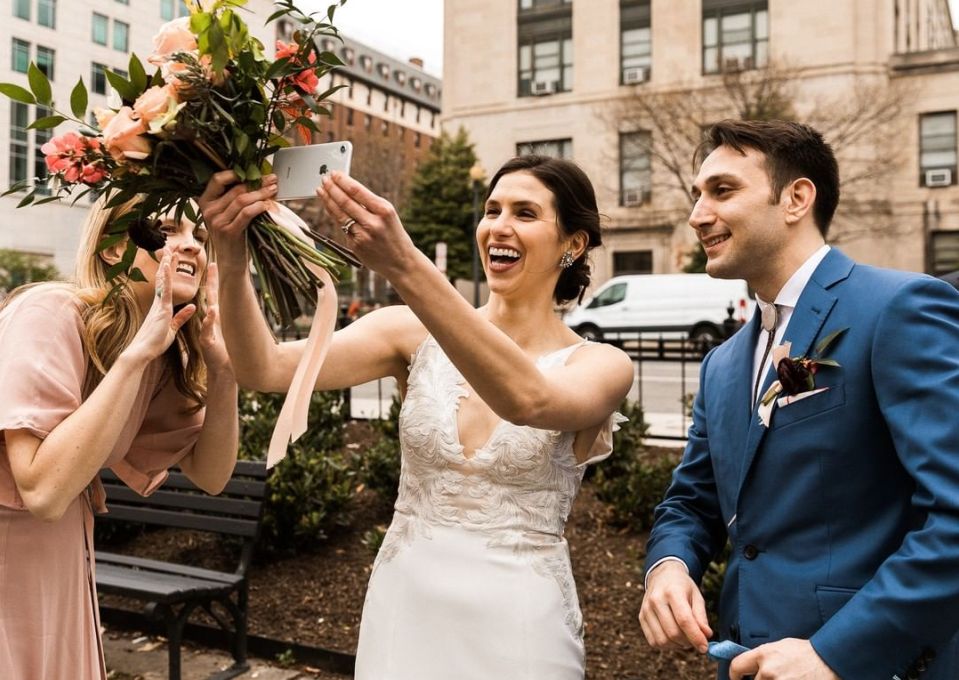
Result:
pixel 300 169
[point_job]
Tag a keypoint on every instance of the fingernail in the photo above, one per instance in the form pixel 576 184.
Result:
pixel 272 188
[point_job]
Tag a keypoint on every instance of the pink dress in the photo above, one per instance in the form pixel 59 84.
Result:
pixel 49 621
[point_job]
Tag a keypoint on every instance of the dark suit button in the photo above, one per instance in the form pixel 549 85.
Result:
pixel 750 552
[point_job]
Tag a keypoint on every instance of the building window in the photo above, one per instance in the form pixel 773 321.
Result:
pixel 417 139
pixel 20 60
pixel 41 137
pixel 100 28
pixel 19 119
pixel 634 168
pixel 945 252
pixel 171 9
pixel 47 13
pixel 632 262
pixel 735 35
pixel 98 78
pixel 45 58
pixel 367 121
pixel 557 148
pixel 349 117
pixel 545 35
pixel 937 149
pixel 121 36
pixel 21 9
pixel 635 41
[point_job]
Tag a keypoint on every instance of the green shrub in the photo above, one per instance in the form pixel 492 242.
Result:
pixel 634 479
pixel 379 466
pixel 309 491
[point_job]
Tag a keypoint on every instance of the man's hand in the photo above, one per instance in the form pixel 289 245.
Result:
pixel 674 612
pixel 788 659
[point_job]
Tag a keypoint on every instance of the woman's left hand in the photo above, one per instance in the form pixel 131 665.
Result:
pixel 373 229
pixel 211 337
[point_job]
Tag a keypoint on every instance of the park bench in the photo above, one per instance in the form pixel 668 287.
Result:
pixel 173 591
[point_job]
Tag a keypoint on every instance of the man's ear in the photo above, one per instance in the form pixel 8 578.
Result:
pixel 799 198
pixel 114 253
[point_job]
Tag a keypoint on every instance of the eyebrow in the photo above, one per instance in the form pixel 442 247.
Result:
pixel 519 205
pixel 713 180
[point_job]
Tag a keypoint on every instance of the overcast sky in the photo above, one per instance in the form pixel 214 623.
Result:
pixel 410 28
pixel 399 28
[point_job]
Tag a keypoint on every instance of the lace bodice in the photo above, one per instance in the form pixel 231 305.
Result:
pixel 520 485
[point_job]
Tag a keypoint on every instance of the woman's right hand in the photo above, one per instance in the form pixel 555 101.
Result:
pixel 228 207
pixel 160 326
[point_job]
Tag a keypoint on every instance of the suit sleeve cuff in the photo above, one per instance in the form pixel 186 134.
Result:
pixel 668 558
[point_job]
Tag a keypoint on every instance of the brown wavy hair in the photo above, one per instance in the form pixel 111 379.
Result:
pixel 109 325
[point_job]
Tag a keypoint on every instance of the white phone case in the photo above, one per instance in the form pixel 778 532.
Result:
pixel 300 169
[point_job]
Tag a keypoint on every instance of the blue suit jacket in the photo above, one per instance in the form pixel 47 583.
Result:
pixel 843 515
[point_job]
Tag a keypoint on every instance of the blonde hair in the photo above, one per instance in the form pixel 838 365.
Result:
pixel 109 325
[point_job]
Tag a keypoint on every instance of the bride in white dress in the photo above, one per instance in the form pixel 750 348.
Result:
pixel 504 407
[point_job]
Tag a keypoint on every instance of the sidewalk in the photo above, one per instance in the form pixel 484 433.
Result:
pixel 132 656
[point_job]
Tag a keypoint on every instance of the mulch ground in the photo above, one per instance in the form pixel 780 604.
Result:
pixel 316 599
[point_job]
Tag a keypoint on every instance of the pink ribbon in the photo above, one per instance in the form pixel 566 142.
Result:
pixel 292 421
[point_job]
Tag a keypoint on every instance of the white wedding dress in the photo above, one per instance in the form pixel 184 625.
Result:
pixel 473 579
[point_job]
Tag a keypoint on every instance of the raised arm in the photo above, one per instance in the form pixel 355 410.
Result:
pixel 571 398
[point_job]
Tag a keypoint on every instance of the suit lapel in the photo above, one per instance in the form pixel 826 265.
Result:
pixel 807 321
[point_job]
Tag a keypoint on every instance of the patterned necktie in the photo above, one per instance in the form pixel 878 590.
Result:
pixel 770 319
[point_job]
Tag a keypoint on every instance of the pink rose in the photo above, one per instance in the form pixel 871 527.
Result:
pixel 174 36
pixel 93 173
pixel 156 101
pixel 123 137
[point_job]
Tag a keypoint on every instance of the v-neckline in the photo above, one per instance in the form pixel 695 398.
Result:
pixel 500 422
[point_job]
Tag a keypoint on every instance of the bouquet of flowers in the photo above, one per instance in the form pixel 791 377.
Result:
pixel 213 102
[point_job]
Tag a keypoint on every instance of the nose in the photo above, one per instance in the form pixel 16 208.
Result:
pixel 187 243
pixel 501 225
pixel 701 216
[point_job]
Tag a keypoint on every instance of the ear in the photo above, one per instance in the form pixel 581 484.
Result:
pixel 114 253
pixel 798 199
pixel 578 243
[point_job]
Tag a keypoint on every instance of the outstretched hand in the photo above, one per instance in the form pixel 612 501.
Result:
pixel 160 325
pixel 211 337
pixel 372 227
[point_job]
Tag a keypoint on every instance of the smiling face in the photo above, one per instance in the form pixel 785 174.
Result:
pixel 743 233
pixel 519 238
pixel 187 241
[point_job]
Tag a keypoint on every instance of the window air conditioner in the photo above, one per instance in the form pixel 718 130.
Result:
pixel 939 177
pixel 634 75
pixel 636 196
pixel 541 87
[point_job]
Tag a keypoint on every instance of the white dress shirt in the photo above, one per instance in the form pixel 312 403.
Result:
pixel 786 301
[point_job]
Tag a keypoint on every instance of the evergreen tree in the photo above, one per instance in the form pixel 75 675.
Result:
pixel 18 268
pixel 440 206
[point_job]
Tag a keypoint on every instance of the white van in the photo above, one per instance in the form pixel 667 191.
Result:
pixel 692 303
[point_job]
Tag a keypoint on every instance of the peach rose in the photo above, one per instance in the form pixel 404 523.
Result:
pixel 174 36
pixel 103 116
pixel 157 101
pixel 122 137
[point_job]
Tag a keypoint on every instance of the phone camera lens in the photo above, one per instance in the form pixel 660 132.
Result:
pixel 343 149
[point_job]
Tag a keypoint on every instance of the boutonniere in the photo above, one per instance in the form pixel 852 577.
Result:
pixel 796 375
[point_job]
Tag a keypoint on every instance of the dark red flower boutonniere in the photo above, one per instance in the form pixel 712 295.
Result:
pixel 796 375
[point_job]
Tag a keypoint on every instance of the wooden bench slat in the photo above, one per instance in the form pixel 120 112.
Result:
pixel 146 564
pixel 184 520
pixel 254 488
pixel 156 587
pixel 191 501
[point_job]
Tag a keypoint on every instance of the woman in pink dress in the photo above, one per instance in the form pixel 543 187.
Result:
pixel 136 384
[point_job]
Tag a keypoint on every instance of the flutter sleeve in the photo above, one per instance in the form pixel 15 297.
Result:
pixel 169 432
pixel 603 445
pixel 42 369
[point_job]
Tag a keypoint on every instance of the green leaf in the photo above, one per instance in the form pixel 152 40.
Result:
pixel 79 100
pixel 40 85
pixel 828 340
pixel 26 200
pixel 47 199
pixel 136 275
pixel 827 362
pixel 46 123
pixel 124 87
pixel 16 188
pixel 116 269
pixel 138 76
pixel 278 69
pixel 17 93
pixel 276 15
pixel 252 172
pixel 111 240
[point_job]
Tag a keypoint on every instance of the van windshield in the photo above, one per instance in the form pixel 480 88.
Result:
pixel 610 296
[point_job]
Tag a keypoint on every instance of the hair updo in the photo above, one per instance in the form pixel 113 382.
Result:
pixel 575 211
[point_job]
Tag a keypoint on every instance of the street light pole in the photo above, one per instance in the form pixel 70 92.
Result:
pixel 477 177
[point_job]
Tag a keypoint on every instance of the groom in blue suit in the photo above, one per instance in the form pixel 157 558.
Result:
pixel 836 477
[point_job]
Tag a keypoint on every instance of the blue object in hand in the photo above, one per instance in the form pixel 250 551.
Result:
pixel 727 650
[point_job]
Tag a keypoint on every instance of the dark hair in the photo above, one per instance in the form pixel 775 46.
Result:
pixel 575 211
pixel 792 150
